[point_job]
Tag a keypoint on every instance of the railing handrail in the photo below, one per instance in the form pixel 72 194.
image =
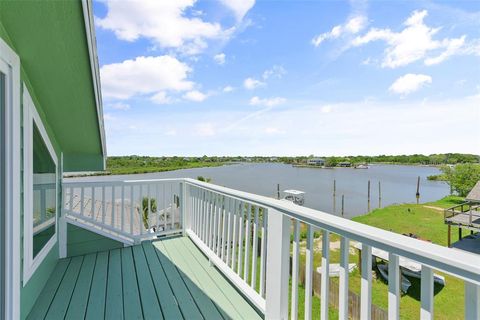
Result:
pixel 118 182
pixel 456 262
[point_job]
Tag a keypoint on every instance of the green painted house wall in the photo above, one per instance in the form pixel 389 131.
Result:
pixel 50 39
pixel 81 241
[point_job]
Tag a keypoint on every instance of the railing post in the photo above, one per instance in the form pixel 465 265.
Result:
pixel 278 252
pixel 183 202
pixel 472 301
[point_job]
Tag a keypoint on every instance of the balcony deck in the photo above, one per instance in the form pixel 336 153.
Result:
pixel 169 279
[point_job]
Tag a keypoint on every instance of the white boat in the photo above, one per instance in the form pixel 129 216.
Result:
pixel 405 283
pixel 295 196
pixel 417 274
pixel 334 269
pixel 361 166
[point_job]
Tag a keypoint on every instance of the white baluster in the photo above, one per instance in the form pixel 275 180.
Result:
pixel 343 279
pixel 426 293
pixel 295 268
pixel 246 266
pixel 394 276
pixel 366 283
pixel 263 253
pixel 472 301
pixel 278 254
pixel 309 273
pixel 325 282
pixel 255 250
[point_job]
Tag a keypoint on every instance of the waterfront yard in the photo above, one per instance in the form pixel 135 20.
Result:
pixel 423 220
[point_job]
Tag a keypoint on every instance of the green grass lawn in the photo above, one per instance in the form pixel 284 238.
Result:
pixel 427 223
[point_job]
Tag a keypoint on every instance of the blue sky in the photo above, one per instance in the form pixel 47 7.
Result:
pixel 245 77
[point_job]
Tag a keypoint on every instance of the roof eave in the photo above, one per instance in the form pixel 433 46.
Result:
pixel 92 50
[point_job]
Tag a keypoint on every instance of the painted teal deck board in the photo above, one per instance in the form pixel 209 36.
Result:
pixel 132 307
pixel 59 306
pixel 169 279
pixel 43 302
pixel 148 295
pixel 186 260
pixel 96 301
pixel 204 303
pixel 114 295
pixel 169 304
pixel 185 300
pixel 243 308
pixel 78 309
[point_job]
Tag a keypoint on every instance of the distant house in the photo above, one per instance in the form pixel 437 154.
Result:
pixel 345 164
pixel 474 194
pixel 316 162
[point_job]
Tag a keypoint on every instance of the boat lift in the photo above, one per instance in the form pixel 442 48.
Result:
pixel 295 196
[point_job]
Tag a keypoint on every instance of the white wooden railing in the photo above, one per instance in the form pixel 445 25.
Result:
pixel 248 238
pixel 218 218
pixel 132 210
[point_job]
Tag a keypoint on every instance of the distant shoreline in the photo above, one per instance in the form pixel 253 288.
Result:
pixel 137 170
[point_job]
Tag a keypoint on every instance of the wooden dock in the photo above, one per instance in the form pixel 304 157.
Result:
pixel 464 216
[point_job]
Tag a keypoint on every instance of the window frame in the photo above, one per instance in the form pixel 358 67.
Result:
pixel 31 117
pixel 12 207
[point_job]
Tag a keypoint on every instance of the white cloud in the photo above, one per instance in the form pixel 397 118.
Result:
pixel 239 7
pixel 267 102
pixel 275 72
pixel 162 22
pixel 326 109
pixel 219 58
pixel 415 42
pixel 119 106
pixel 453 46
pixel 144 76
pixel 205 129
pixel 314 132
pixel 352 26
pixel 228 89
pixel 409 83
pixel 273 131
pixel 251 83
pixel 195 95
pixel 161 98
pixel 171 132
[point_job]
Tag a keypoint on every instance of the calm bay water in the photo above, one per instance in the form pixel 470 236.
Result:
pixel 398 183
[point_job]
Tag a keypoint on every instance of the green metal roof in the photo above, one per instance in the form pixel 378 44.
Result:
pixel 56 44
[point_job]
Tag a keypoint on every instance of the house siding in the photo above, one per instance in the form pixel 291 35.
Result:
pixel 81 241
pixel 30 291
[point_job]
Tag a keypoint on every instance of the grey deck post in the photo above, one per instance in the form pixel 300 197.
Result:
pixel 278 253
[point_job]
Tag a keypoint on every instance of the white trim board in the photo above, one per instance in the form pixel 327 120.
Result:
pixel 87 7
pixel 31 116
pixel 12 182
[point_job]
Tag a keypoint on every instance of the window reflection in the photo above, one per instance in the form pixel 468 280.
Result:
pixel 44 193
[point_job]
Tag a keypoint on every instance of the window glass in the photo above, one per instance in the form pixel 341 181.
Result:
pixel 44 193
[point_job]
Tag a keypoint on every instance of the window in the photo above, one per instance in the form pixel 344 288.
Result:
pixel 2 185
pixel 40 190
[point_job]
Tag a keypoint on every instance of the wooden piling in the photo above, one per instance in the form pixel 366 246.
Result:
pixel 334 196
pixel 368 196
pixel 343 204
pixel 379 195
pixel 418 190
pixel 449 237
pixel 278 191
